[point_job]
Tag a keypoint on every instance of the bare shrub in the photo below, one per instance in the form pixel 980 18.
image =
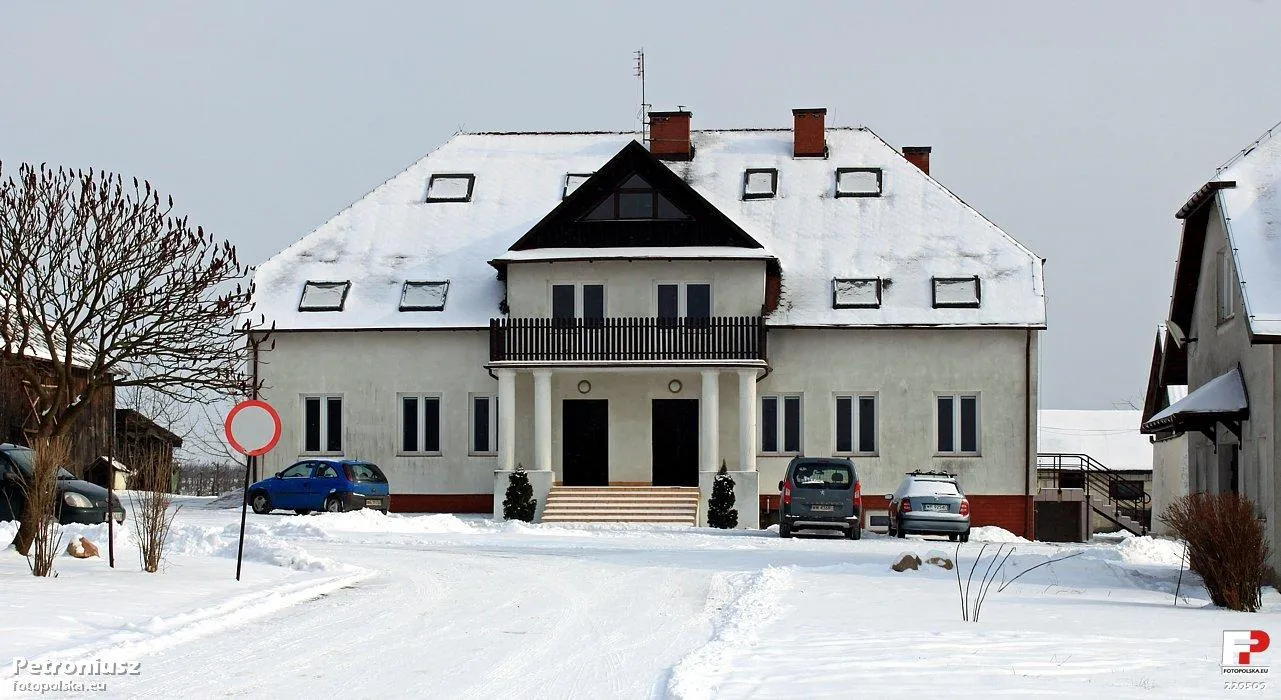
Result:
pixel 1226 546
pixel 152 516
pixel 40 511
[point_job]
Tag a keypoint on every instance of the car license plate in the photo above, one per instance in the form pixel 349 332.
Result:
pixel 822 508
pixel 374 503
pixel 936 507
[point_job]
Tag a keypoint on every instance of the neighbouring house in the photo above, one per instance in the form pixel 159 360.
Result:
pixel 618 313
pixel 1094 470
pixel 1224 331
pixel 1169 447
pixel 92 430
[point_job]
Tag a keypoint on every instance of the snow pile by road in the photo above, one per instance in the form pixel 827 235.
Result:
pixel 231 499
pixel 992 533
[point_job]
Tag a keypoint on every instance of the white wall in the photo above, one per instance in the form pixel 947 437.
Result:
pixel 1169 477
pixel 370 369
pixel 738 286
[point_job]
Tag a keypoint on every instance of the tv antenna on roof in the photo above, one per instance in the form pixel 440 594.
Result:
pixel 639 65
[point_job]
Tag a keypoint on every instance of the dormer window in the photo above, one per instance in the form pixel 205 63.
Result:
pixel 450 187
pixel 573 181
pixel 424 296
pixel 856 293
pixel 634 199
pixel 760 183
pixel 957 292
pixel 323 296
pixel 858 182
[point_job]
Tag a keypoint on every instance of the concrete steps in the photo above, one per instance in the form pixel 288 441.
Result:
pixel 677 505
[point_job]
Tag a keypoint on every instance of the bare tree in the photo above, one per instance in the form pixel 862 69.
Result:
pixel 106 286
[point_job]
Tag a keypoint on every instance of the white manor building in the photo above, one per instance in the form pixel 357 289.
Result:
pixel 615 315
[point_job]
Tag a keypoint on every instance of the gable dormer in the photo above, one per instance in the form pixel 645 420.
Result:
pixel 634 200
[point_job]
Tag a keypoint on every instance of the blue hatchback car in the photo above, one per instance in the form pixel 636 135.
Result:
pixel 333 485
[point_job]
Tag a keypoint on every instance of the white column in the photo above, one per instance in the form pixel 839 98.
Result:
pixel 709 453
pixel 543 420
pixel 506 419
pixel 747 419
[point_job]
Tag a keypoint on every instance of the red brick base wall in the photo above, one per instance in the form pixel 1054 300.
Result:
pixel 442 503
pixel 1013 513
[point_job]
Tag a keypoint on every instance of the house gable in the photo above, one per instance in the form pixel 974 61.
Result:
pixel 669 213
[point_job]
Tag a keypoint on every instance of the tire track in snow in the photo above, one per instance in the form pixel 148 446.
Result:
pixel 739 606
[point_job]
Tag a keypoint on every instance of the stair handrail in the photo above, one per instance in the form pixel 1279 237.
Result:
pixel 1097 476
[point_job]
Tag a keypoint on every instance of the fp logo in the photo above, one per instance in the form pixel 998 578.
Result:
pixel 1239 645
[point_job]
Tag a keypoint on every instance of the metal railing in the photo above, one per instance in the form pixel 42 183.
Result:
pixel 1103 486
pixel 626 339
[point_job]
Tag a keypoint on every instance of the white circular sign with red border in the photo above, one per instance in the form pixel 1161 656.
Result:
pixel 253 427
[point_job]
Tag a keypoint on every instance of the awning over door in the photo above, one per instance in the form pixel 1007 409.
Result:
pixel 1220 400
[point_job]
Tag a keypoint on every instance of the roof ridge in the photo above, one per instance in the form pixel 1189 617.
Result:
pixel 1262 139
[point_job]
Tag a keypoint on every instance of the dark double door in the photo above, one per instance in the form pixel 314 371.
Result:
pixel 585 442
pixel 674 441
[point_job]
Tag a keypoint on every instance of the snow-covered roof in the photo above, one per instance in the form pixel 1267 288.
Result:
pixel 1223 395
pixel 1253 212
pixel 915 231
pixel 637 253
pixel 1111 437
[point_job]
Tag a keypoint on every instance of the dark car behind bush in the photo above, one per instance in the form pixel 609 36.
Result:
pixel 78 501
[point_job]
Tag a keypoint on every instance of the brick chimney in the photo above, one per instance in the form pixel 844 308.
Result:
pixel 809 138
pixel 918 156
pixel 669 135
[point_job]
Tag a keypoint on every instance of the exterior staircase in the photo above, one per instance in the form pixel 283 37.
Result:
pixel 1110 495
pixel 674 505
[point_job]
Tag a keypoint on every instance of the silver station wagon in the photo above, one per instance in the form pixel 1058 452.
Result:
pixel 929 503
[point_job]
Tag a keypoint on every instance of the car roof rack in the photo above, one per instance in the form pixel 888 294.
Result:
pixel 926 472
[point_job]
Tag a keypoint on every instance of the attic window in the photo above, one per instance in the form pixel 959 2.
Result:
pixel 957 292
pixel 634 199
pixel 858 182
pixel 760 183
pixel 323 296
pixel 858 293
pixel 572 182
pixel 450 187
pixel 424 296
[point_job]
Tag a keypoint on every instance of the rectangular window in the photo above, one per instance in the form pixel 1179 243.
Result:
pixel 578 300
pixel 424 296
pixel 858 182
pixel 685 300
pixel 957 292
pixel 323 296
pixel 573 181
pixel 1227 286
pixel 484 425
pixel 760 183
pixel 322 424
pixel 959 424
pixel 420 424
pixel 856 424
pixel 861 293
pixel 450 187
pixel 781 424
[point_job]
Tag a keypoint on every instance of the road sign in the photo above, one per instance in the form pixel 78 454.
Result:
pixel 253 427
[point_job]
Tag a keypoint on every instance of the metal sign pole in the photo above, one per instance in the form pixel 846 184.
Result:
pixel 244 508
pixel 111 483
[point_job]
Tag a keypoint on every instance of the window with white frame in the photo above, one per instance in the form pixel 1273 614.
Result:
pixel 684 300
pixel 578 300
pixel 958 424
pixel 420 423
pixel 856 424
pixel 484 425
pixel 1227 286
pixel 781 424
pixel 322 420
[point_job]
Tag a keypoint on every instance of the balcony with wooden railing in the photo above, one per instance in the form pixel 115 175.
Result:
pixel 729 339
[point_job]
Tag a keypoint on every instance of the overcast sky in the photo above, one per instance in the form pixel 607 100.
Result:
pixel 1078 127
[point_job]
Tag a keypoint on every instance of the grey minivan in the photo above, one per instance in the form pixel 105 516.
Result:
pixel 821 493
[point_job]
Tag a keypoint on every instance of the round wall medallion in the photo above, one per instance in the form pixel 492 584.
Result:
pixel 674 386
pixel 584 386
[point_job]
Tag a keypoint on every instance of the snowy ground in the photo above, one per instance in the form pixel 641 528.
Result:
pixel 438 606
